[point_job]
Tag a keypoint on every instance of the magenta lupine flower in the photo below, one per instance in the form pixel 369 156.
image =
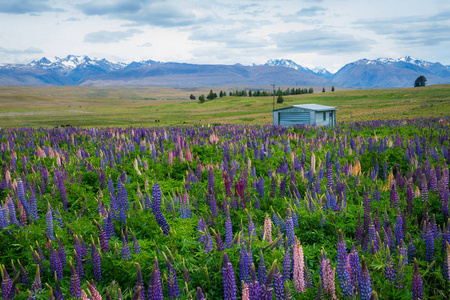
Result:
pixel 95 295
pixel 219 243
pixel 299 281
pixel 75 288
pixel 417 289
pixel 365 286
pixel 229 282
pixel 327 276
pixel 155 287
pixel 96 262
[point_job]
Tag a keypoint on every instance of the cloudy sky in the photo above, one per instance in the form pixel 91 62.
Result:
pixel 313 33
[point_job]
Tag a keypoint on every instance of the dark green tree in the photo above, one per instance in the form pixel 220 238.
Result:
pixel 420 81
pixel 332 88
pixel 323 90
pixel 280 96
pixel 192 97
pixel 201 98
pixel 211 95
pixel 249 93
pixel 311 90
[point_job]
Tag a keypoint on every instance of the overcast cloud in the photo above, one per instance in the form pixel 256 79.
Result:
pixel 313 33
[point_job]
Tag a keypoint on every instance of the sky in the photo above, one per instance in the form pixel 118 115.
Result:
pixel 312 33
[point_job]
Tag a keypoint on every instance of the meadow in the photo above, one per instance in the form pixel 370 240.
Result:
pixel 238 211
pixel 124 106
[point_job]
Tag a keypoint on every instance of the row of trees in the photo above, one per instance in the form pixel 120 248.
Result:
pixel 255 93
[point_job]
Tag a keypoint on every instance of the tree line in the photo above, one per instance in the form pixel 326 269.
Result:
pixel 254 93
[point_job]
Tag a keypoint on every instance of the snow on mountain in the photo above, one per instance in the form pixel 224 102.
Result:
pixel 290 64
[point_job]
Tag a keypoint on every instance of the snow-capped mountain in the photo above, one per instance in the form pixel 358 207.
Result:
pixel 389 72
pixel 83 70
pixel 322 72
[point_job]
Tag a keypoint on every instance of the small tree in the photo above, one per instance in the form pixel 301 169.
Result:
pixel 311 90
pixel 201 98
pixel 323 90
pixel 280 96
pixel 192 97
pixel 332 88
pixel 211 95
pixel 420 81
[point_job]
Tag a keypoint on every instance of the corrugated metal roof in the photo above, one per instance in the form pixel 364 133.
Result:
pixel 315 107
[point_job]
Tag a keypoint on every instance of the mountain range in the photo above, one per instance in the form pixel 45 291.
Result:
pixel 83 70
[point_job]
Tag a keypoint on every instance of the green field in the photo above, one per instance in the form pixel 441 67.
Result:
pixel 123 106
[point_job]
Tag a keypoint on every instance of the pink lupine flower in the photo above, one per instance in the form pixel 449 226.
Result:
pixel 268 229
pixel 299 264
pixel 245 292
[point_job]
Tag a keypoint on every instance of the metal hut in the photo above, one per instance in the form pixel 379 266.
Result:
pixel 307 114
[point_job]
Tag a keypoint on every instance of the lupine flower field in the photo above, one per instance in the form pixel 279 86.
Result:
pixel 358 211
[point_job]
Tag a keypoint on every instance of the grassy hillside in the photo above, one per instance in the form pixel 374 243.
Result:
pixel 122 106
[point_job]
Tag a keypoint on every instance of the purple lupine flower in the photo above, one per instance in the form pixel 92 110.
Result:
pixel 307 277
pixel 400 271
pixel 155 287
pixel 186 276
pixel 417 289
pixel 6 282
pixel 23 275
pixel 228 231
pixel 262 269
pixel 403 251
pixel 429 239
pixel 342 270
pixel 389 270
pixel 96 262
pixel 36 287
pixel 355 275
pixel 136 246
pixel 409 196
pixel 102 237
pixel 55 263
pixel 411 250
pixel 125 248
pixel 212 193
pixel 287 261
pixel 229 282
pixel 200 295
pixel 444 197
pixel 266 293
pixel 139 283
pixel 75 287
pixel 278 284
pixel 156 208
pixel 109 225
pixel 208 241
pixel 244 267
pixel 366 212
pixel 365 286
pixel 172 281
pixel 219 243
pixel 49 218
pixel 21 196
pixel 394 198
pixel 62 192
pixel 201 226
pixel 33 206
pixel 61 252
pixel 330 182
pixel 290 231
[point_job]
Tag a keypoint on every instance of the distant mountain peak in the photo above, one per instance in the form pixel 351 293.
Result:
pixel 322 72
